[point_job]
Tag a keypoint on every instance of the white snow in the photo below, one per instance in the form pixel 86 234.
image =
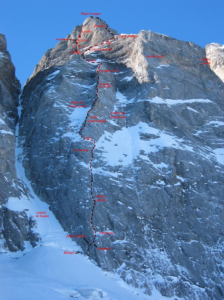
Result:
pixel 198 132
pixel 52 75
pixel 129 144
pixel 45 272
pixel 6 132
pixel 128 78
pixel 2 54
pixel 78 115
pixel 216 123
pixel 159 100
pixel 77 118
pixel 160 182
pixel 2 121
pixel 16 204
pixel 121 98
pixel 180 178
pixel 120 203
pixel 192 110
pixel 162 66
pixel 219 154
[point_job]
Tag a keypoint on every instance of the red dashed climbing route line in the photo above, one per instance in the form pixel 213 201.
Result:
pixel 89 138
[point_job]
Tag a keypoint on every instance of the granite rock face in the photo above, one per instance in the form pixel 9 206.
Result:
pixel 62 52
pixel 161 168
pixel 215 55
pixel 14 226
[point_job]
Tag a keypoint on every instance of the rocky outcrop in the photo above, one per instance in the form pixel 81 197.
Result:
pixel 62 52
pixel 14 226
pixel 160 168
pixel 17 229
pixel 215 55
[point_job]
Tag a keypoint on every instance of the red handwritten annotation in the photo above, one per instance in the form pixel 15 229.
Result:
pixel 98 49
pixel 206 61
pixel 96 121
pixel 102 198
pixel 77 106
pixel 118 113
pixel 41 214
pixel 154 56
pixel 75 236
pixel 106 232
pixel 83 40
pixel 106 71
pixel 127 35
pixel 65 40
pixel 76 102
pixel 103 248
pixel 104 85
pixel 91 14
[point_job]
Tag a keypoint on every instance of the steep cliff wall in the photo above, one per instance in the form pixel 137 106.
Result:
pixel 15 227
pixel 160 165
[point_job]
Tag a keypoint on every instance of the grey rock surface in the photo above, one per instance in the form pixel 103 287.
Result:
pixel 13 225
pixel 17 229
pixel 62 52
pixel 161 169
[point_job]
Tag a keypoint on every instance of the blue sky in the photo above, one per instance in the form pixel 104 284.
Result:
pixel 31 27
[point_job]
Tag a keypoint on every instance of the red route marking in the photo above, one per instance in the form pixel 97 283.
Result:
pixel 89 138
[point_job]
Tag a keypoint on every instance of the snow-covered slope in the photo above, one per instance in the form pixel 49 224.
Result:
pixel 53 269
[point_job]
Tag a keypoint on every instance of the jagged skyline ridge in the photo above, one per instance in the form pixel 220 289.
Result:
pixel 170 18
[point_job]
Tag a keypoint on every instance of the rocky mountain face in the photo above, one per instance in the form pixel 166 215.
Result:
pixel 15 227
pixel 122 136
